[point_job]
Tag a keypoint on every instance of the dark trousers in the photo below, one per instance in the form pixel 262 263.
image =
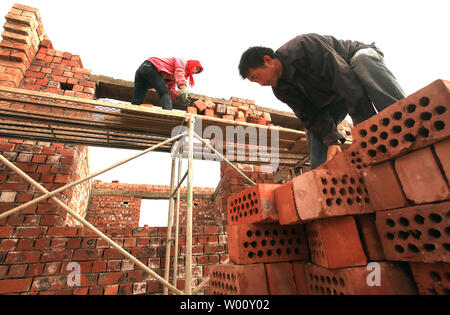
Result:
pixel 148 76
pixel 382 90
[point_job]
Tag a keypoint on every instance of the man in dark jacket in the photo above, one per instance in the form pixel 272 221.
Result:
pixel 323 79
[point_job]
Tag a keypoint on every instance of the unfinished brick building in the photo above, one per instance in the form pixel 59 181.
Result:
pixel 374 220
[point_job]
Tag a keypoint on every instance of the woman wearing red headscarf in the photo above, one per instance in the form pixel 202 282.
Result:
pixel 164 75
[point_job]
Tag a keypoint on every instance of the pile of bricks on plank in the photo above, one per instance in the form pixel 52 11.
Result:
pixel 237 109
pixel 373 220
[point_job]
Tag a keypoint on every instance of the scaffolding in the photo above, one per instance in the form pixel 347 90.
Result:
pixel 35 115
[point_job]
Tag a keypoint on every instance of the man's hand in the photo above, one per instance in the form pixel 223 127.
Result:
pixel 332 151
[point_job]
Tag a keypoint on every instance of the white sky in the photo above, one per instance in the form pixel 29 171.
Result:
pixel 114 37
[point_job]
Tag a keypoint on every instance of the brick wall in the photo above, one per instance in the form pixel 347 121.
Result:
pixel 50 164
pixel 42 260
pixel 119 204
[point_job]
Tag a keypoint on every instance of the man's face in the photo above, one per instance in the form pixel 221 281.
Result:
pixel 266 75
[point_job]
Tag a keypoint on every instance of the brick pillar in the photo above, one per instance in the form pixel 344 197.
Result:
pixel 22 35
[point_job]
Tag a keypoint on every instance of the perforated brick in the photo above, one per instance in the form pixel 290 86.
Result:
pixel 411 123
pixel 394 280
pixel 231 279
pixel 257 243
pixel 432 279
pixel 325 193
pixel 419 233
pixel 255 204
pixel 335 243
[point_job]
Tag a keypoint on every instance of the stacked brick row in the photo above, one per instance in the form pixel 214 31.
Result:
pixel 42 260
pixel 375 218
pixel 119 204
pixel 52 165
pixel 22 35
pixel 406 150
pixel 58 72
pixel 237 109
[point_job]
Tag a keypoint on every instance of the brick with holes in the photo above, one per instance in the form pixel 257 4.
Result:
pixel 229 279
pixel 335 243
pixel 416 121
pixel 255 204
pixel 380 278
pixel 383 186
pixel 421 177
pixel 346 161
pixel 280 278
pixel 431 279
pixel 271 242
pixel 322 193
pixel 419 233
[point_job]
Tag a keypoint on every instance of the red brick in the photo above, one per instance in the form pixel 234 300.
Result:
pixel 257 243
pixel 191 110
pixel 335 243
pixel 322 193
pixel 62 232
pixel 49 283
pixel 431 279
pixel 421 177
pixel 369 237
pixel 237 280
pixel 255 204
pixel 111 278
pixel 23 257
pixel 15 285
pixel 7 244
pixel 442 150
pixel 417 233
pixel 354 281
pixel 30 232
pixel 56 255
pixel 228 117
pixel 209 112
pixel 384 189
pixel 285 204
pixel 280 278
pixel 299 268
pixel 412 123
pixel 200 105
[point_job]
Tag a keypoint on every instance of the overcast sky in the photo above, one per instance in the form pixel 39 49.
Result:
pixel 114 37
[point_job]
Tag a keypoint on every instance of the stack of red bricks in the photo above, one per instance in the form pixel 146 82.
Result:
pixel 23 32
pixel 58 72
pixel 237 109
pixel 375 218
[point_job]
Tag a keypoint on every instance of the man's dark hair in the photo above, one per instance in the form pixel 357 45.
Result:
pixel 253 58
